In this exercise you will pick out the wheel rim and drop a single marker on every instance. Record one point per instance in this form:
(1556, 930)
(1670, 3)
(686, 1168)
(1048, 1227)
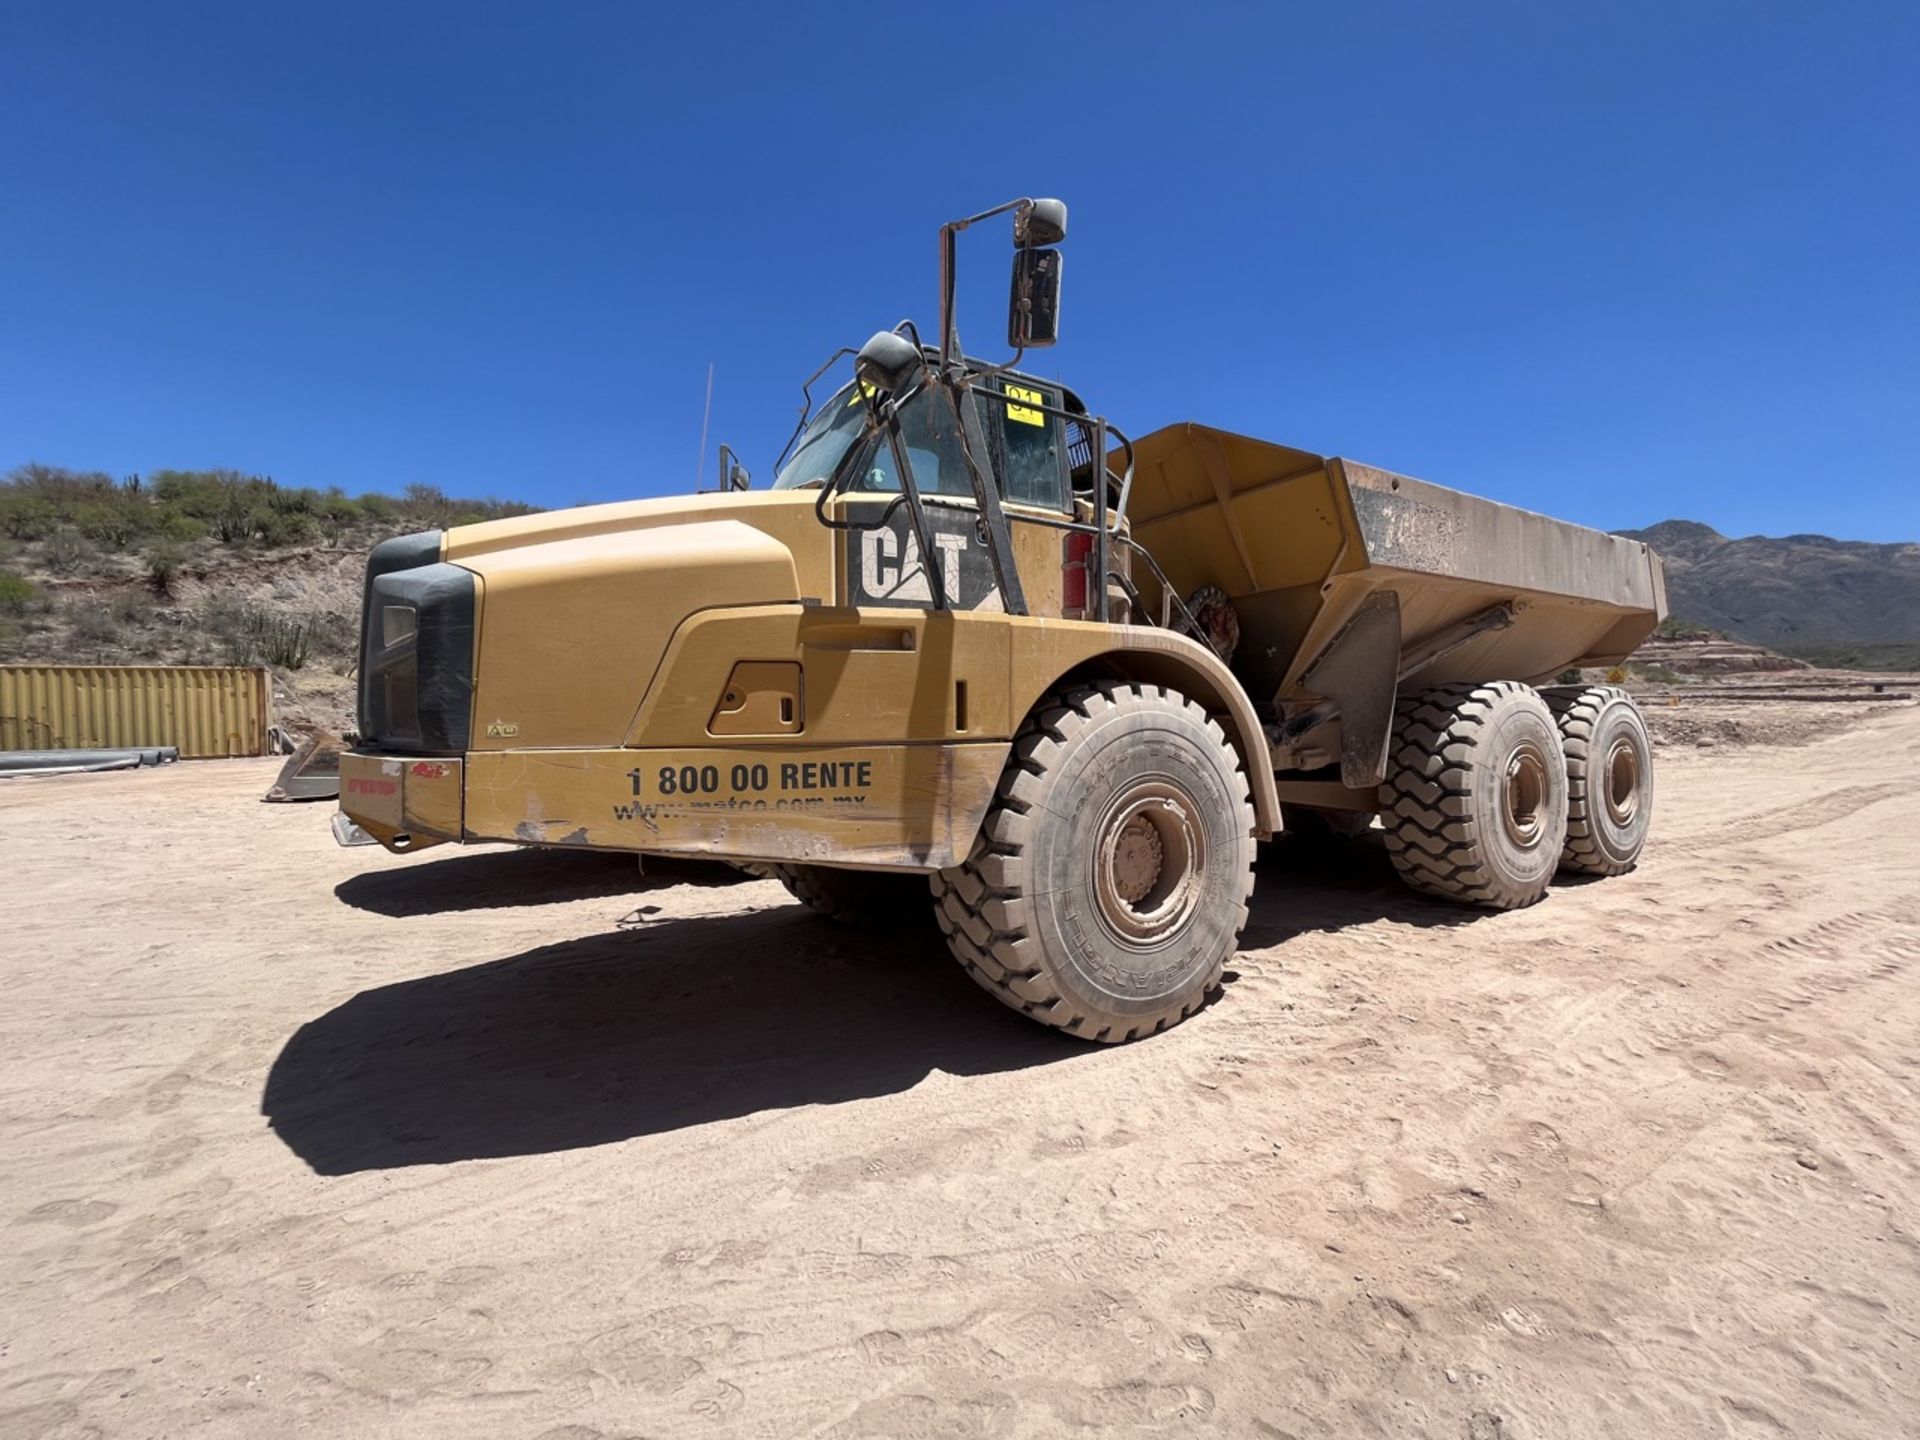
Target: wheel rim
(1524, 796)
(1623, 781)
(1148, 859)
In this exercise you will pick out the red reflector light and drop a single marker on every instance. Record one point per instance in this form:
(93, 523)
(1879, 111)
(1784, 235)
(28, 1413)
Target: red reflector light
(1076, 560)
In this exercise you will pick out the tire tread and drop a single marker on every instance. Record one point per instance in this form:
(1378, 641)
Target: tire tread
(1426, 798)
(982, 905)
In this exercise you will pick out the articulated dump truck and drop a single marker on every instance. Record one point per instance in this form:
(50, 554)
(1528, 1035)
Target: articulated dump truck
(978, 650)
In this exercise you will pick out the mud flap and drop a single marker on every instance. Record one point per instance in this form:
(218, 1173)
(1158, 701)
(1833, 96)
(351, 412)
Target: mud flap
(1359, 672)
(311, 773)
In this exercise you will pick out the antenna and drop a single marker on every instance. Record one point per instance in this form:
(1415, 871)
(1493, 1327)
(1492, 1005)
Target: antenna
(700, 468)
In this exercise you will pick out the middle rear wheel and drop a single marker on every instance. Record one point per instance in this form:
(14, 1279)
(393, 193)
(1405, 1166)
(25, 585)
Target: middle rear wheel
(1475, 798)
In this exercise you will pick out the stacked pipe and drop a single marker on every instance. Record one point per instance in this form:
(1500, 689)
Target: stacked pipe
(78, 762)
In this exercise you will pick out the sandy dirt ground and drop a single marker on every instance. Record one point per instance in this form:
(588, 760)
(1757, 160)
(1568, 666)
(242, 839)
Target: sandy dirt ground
(303, 1141)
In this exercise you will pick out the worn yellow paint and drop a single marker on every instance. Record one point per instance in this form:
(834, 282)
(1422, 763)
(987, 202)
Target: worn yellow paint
(205, 710)
(574, 615)
(391, 796)
(912, 807)
(761, 697)
(1278, 530)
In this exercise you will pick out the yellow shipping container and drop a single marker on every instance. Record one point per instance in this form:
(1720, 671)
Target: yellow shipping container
(205, 710)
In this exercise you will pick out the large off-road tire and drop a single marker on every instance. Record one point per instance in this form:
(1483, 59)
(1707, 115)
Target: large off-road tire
(855, 897)
(1475, 798)
(1109, 882)
(1609, 777)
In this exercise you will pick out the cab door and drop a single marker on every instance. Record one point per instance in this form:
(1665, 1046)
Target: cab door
(1029, 447)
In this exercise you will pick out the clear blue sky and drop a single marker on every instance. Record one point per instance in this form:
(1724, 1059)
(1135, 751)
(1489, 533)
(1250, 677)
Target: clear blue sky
(1617, 262)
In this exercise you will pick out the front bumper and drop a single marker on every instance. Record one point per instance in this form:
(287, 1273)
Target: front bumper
(403, 803)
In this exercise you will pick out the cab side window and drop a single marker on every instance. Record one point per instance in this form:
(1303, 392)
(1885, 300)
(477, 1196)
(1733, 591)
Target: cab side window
(1031, 443)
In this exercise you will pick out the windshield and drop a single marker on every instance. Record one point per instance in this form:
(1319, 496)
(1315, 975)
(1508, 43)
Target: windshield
(927, 429)
(1024, 445)
(825, 440)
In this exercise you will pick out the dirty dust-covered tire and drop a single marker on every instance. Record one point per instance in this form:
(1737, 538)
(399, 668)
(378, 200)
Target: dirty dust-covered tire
(855, 897)
(1109, 883)
(1475, 798)
(1609, 777)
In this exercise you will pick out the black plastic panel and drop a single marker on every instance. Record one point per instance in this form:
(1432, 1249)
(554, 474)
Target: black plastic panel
(416, 694)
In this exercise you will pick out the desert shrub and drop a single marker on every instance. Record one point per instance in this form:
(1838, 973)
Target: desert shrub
(1674, 628)
(91, 622)
(66, 550)
(130, 607)
(44, 502)
(16, 592)
(231, 526)
(286, 644)
(335, 515)
(113, 525)
(164, 561)
(1617, 675)
(276, 528)
(1569, 676)
(26, 517)
(179, 527)
(206, 494)
(252, 635)
(229, 623)
(335, 633)
(294, 502)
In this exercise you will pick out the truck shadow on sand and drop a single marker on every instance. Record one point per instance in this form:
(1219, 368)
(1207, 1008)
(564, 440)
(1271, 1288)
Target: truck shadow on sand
(499, 879)
(682, 1022)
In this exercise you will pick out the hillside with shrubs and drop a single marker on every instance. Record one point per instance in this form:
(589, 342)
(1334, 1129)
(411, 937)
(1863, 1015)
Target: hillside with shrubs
(202, 567)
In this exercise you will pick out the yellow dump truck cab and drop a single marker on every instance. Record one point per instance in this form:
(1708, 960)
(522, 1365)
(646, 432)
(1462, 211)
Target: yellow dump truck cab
(724, 675)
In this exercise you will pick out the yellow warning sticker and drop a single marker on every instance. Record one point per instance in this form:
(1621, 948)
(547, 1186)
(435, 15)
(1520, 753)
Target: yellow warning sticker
(1020, 412)
(861, 391)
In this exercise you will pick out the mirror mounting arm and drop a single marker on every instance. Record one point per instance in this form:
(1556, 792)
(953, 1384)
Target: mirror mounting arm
(1037, 222)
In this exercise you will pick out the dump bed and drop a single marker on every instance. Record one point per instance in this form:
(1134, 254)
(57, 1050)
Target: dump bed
(1304, 544)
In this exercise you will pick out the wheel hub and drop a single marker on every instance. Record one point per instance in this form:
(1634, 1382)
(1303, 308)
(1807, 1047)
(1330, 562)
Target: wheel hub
(1524, 795)
(1138, 859)
(1623, 781)
(1148, 859)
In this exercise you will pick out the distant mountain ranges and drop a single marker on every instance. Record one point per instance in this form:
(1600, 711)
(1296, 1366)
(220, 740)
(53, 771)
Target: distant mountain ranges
(1837, 602)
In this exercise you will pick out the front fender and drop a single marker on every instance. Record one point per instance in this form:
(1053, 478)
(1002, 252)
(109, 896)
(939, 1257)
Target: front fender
(1064, 651)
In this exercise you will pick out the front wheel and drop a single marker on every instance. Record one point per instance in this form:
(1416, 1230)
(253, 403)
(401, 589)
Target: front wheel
(1111, 876)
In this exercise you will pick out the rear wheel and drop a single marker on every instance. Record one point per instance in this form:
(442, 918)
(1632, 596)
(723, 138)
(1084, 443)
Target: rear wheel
(1475, 797)
(1609, 777)
(855, 897)
(1111, 876)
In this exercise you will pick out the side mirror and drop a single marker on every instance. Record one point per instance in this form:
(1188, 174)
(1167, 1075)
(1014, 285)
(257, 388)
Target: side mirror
(1043, 222)
(1033, 309)
(888, 361)
(733, 475)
